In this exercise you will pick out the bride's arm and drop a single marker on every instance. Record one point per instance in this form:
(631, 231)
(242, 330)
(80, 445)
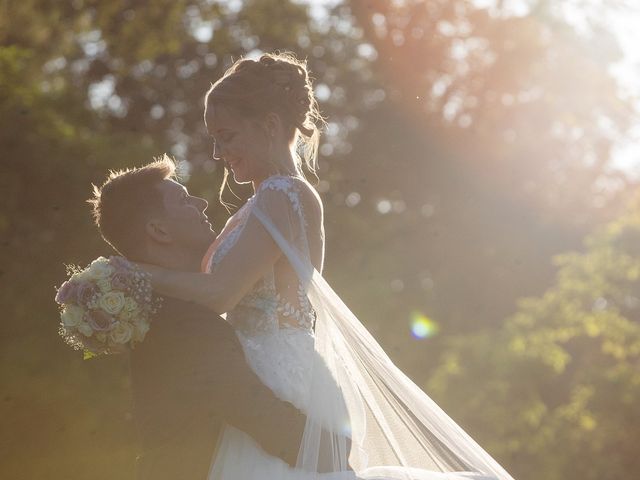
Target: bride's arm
(250, 258)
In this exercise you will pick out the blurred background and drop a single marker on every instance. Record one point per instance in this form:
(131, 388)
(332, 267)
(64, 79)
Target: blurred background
(479, 172)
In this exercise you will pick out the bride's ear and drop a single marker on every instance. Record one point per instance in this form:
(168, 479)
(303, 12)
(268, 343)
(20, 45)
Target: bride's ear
(157, 230)
(273, 124)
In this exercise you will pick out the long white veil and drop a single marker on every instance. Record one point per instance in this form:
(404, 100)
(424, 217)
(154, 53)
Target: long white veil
(396, 431)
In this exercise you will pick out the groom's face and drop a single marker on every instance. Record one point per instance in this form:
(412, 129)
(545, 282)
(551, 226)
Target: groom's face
(184, 221)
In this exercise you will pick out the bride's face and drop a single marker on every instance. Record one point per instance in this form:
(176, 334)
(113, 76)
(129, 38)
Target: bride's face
(240, 142)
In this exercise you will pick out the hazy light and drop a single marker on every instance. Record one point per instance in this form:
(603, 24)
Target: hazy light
(353, 199)
(397, 285)
(92, 43)
(384, 206)
(323, 92)
(427, 210)
(101, 92)
(156, 112)
(422, 326)
(203, 32)
(183, 167)
(346, 428)
(210, 60)
(399, 206)
(366, 50)
(323, 186)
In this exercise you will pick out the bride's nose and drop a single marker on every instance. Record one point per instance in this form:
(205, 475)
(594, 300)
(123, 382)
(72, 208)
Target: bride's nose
(202, 204)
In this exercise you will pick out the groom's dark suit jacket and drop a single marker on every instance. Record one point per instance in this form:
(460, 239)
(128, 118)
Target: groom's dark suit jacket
(189, 377)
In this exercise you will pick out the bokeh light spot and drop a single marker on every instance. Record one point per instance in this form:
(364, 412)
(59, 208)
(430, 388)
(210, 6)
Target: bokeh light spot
(422, 326)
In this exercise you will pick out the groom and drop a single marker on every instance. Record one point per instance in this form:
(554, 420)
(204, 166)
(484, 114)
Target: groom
(189, 375)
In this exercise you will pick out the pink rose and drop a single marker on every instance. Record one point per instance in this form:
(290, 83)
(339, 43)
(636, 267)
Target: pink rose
(100, 321)
(85, 291)
(120, 281)
(67, 293)
(121, 264)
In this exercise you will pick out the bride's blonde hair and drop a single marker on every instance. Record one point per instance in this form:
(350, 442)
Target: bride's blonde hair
(275, 82)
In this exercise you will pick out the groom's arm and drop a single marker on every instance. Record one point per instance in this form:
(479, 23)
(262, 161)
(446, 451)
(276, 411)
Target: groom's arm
(249, 405)
(215, 368)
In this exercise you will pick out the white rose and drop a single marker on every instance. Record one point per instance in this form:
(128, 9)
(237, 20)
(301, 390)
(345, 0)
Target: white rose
(130, 311)
(112, 302)
(85, 329)
(99, 261)
(100, 268)
(72, 316)
(121, 333)
(140, 329)
(129, 315)
(130, 305)
(82, 276)
(104, 284)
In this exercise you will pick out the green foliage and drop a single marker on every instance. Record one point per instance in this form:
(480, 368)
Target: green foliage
(87, 355)
(555, 391)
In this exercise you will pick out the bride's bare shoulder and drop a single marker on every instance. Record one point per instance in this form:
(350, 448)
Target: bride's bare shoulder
(310, 197)
(299, 191)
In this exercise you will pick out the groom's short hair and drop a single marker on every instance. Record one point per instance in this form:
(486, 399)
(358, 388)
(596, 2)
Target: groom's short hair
(126, 200)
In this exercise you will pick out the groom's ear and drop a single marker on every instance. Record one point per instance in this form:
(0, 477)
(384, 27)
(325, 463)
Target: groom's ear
(158, 231)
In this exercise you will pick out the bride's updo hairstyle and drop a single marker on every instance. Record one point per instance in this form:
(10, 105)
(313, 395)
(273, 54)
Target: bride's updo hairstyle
(278, 83)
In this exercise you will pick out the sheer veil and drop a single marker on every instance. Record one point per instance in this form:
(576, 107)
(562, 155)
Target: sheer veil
(364, 413)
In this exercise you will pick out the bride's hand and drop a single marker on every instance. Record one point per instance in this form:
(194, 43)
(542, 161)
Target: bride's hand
(191, 286)
(154, 272)
(173, 283)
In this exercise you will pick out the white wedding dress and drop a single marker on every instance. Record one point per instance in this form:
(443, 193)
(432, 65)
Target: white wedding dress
(305, 345)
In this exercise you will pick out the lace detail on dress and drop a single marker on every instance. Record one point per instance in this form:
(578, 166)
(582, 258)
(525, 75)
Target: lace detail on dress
(264, 309)
(287, 185)
(257, 312)
(241, 216)
(298, 317)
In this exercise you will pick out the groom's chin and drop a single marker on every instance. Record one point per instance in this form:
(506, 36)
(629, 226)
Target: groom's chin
(208, 239)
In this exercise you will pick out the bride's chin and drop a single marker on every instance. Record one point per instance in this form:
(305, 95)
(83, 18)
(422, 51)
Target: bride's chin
(240, 179)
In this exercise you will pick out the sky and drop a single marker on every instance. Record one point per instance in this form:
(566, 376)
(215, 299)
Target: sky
(627, 71)
(620, 16)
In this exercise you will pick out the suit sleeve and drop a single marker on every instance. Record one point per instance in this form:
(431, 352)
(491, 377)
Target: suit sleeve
(215, 369)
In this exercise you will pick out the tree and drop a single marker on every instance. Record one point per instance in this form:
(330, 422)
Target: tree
(484, 150)
(555, 391)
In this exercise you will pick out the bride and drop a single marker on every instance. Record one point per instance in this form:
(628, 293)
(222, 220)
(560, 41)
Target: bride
(366, 419)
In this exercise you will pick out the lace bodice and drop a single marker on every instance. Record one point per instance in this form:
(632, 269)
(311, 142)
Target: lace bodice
(278, 300)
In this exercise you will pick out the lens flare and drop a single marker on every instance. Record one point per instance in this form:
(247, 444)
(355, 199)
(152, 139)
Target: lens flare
(346, 429)
(422, 326)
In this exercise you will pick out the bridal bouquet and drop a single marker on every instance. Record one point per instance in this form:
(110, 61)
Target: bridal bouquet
(106, 307)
